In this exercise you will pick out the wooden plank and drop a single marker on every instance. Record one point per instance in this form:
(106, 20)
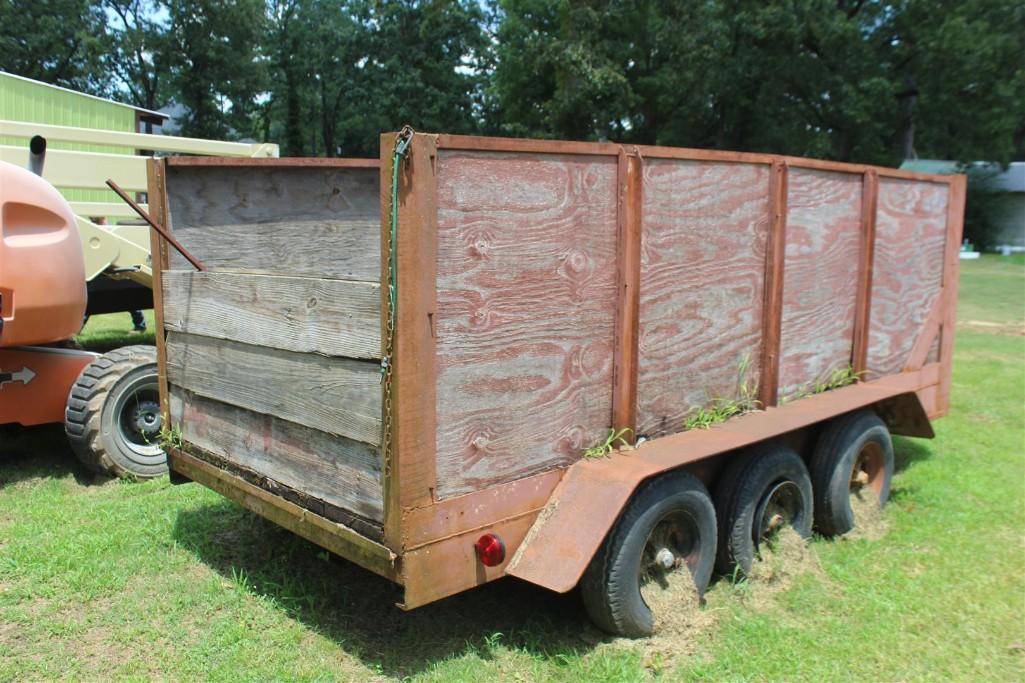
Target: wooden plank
(526, 313)
(335, 395)
(821, 288)
(702, 258)
(305, 315)
(157, 197)
(954, 225)
(911, 235)
(414, 387)
(303, 221)
(772, 306)
(628, 287)
(333, 469)
(329, 535)
(866, 256)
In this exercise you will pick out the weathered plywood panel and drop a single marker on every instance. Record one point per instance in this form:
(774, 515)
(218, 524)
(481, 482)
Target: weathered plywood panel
(911, 224)
(306, 315)
(702, 270)
(526, 306)
(820, 276)
(301, 221)
(332, 469)
(335, 395)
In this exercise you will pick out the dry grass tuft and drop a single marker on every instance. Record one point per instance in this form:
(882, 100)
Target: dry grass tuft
(869, 521)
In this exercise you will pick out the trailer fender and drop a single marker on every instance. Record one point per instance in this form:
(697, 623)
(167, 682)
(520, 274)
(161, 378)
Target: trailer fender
(593, 492)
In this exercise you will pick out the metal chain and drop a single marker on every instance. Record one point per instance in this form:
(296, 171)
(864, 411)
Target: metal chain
(402, 141)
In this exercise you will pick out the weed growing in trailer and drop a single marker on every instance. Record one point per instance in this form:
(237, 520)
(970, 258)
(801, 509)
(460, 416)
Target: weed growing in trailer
(171, 437)
(722, 409)
(840, 377)
(615, 439)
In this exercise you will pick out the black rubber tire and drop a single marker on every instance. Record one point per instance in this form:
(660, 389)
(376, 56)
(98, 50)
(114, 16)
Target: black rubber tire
(741, 489)
(832, 465)
(610, 587)
(95, 432)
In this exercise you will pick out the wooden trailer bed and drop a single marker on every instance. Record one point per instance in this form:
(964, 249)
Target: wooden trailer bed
(547, 292)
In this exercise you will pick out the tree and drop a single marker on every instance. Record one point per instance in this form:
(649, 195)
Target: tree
(137, 50)
(54, 41)
(959, 70)
(854, 80)
(219, 72)
(346, 71)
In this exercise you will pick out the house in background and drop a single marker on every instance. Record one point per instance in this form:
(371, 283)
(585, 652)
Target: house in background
(1007, 188)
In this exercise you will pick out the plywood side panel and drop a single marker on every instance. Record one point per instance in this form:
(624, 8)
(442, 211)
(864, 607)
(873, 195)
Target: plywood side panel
(302, 221)
(305, 315)
(702, 269)
(526, 310)
(911, 226)
(332, 469)
(820, 280)
(335, 395)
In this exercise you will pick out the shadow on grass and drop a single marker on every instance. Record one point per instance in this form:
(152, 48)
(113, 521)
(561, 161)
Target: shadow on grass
(38, 453)
(356, 608)
(907, 452)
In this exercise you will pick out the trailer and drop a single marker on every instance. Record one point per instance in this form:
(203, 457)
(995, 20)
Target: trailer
(578, 364)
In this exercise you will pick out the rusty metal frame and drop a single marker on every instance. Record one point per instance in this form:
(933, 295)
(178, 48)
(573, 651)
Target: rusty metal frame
(591, 495)
(630, 172)
(866, 261)
(772, 307)
(160, 261)
(275, 162)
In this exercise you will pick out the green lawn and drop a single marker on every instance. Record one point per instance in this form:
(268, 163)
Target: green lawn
(105, 578)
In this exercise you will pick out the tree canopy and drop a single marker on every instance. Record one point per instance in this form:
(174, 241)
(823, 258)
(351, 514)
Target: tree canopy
(853, 80)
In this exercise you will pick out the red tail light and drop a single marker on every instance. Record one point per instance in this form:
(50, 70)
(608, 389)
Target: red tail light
(490, 550)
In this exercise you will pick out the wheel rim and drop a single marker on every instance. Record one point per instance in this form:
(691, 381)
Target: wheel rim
(671, 549)
(868, 470)
(779, 508)
(137, 415)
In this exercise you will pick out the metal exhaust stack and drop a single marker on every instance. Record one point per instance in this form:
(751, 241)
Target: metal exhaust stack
(37, 154)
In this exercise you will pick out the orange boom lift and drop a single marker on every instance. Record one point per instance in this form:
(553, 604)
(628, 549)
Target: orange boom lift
(108, 403)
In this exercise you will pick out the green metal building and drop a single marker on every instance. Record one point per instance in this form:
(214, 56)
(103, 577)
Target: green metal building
(23, 99)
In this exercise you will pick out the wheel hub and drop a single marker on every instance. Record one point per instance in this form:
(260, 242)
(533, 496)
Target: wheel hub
(778, 508)
(867, 469)
(145, 418)
(665, 559)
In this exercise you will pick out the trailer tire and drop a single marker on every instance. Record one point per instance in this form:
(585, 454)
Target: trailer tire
(765, 489)
(853, 452)
(674, 506)
(112, 418)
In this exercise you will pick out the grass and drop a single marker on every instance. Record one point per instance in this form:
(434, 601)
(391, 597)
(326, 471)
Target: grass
(102, 579)
(616, 438)
(105, 332)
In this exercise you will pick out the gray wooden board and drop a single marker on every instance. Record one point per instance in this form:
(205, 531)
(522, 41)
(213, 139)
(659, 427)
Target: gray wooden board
(306, 315)
(336, 395)
(317, 222)
(334, 469)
